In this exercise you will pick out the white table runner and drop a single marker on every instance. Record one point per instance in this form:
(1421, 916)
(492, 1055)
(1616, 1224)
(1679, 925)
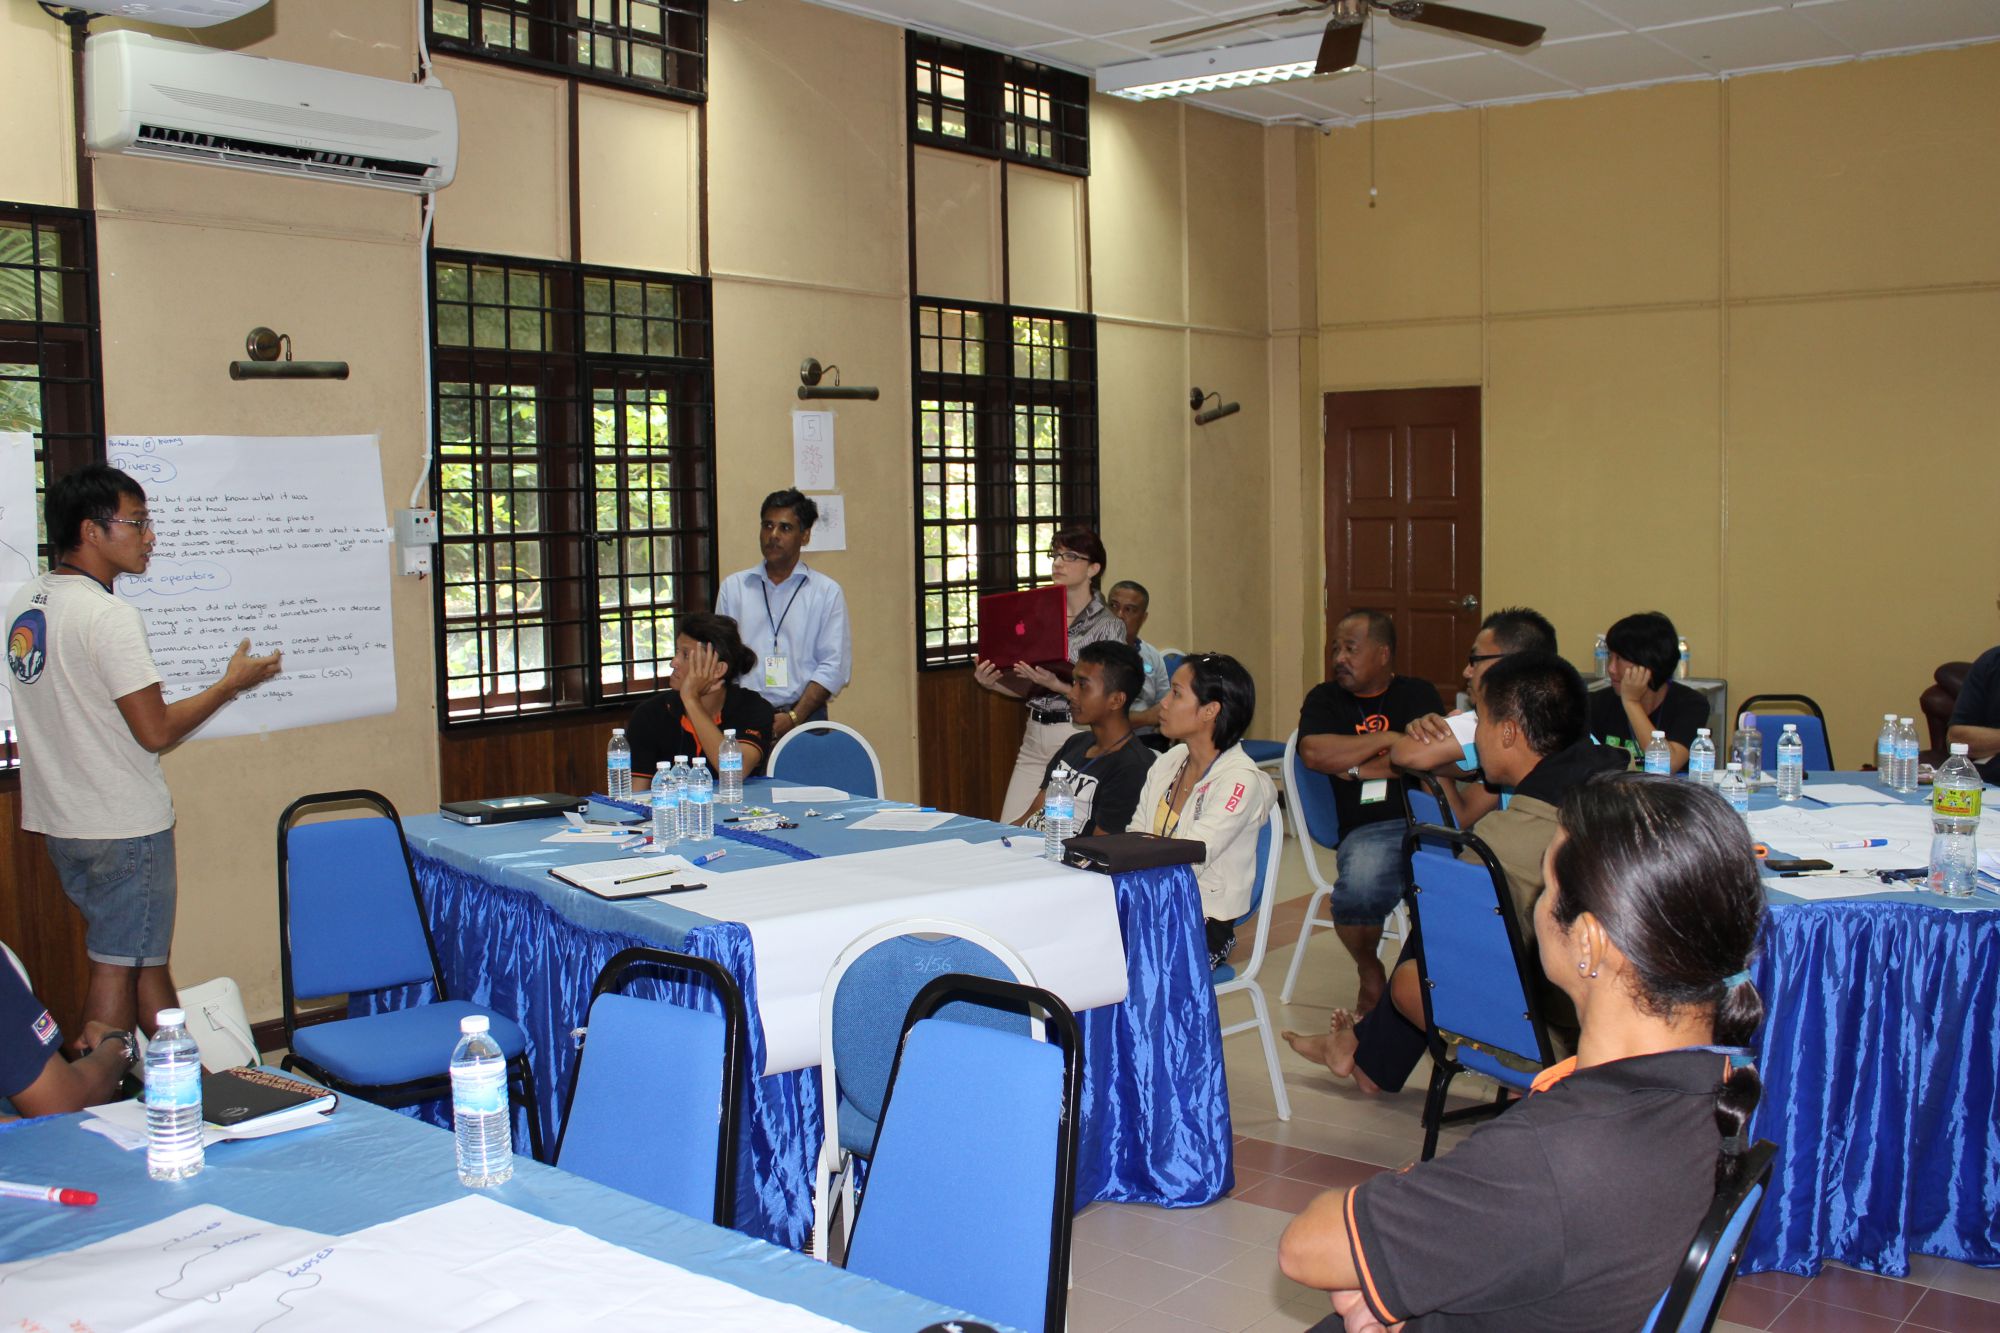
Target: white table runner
(1063, 923)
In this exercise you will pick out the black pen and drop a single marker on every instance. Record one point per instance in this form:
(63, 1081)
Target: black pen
(678, 888)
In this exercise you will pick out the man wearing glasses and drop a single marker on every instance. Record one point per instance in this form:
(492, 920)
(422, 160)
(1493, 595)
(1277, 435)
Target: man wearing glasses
(1433, 744)
(92, 722)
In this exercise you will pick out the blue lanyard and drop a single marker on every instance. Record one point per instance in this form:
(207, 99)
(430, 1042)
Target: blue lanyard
(764, 586)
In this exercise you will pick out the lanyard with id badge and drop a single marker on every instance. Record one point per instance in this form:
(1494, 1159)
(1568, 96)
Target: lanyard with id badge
(777, 669)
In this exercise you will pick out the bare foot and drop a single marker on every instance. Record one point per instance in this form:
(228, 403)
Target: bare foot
(1317, 1047)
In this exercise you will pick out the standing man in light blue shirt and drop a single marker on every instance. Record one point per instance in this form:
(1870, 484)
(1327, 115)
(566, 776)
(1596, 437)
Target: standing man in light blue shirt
(792, 617)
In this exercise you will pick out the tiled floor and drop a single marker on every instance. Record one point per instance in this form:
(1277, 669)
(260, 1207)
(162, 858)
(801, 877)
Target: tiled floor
(1138, 1268)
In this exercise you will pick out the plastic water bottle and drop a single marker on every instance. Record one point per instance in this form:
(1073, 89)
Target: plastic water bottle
(1906, 754)
(729, 770)
(665, 807)
(1748, 750)
(1885, 751)
(682, 775)
(1659, 759)
(618, 767)
(1701, 758)
(480, 1117)
(1058, 816)
(173, 1100)
(1955, 799)
(1603, 655)
(1681, 671)
(1734, 790)
(1791, 763)
(698, 798)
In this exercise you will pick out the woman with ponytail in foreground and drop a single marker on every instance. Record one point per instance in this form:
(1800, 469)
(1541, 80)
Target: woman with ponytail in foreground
(1572, 1211)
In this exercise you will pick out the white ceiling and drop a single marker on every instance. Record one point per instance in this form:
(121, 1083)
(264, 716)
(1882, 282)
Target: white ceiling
(1592, 45)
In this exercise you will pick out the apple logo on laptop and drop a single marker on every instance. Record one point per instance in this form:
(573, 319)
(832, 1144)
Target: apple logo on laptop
(1020, 629)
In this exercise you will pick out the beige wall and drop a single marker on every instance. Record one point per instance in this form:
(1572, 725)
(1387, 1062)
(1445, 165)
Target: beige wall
(1727, 333)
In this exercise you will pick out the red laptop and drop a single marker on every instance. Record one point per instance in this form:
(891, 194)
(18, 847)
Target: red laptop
(1030, 626)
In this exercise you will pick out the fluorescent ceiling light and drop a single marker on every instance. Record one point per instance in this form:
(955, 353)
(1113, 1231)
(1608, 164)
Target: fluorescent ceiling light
(1208, 71)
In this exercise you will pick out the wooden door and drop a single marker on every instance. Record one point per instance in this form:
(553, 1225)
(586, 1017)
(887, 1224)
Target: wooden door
(1402, 521)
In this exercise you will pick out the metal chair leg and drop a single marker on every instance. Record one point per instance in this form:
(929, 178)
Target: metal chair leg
(1306, 928)
(1278, 1093)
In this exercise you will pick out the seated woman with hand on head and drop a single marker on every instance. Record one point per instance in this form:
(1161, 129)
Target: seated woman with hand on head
(1573, 1210)
(702, 699)
(1208, 789)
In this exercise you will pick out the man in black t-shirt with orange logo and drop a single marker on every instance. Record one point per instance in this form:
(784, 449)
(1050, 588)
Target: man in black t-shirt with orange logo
(1346, 727)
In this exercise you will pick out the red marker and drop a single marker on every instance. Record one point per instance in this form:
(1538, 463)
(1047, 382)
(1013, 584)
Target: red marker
(47, 1194)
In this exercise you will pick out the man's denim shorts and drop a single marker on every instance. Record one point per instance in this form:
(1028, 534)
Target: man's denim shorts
(125, 889)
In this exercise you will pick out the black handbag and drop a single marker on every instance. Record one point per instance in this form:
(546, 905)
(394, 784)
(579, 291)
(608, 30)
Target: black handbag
(1116, 853)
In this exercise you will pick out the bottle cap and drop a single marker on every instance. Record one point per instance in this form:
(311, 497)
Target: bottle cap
(170, 1018)
(730, 732)
(1791, 726)
(660, 767)
(618, 731)
(1888, 717)
(1909, 719)
(1960, 747)
(1659, 735)
(1703, 731)
(472, 1023)
(1735, 767)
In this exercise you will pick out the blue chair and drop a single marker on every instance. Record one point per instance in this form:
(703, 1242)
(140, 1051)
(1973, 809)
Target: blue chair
(827, 754)
(1172, 659)
(1316, 823)
(1270, 844)
(973, 1184)
(861, 1009)
(350, 921)
(669, 1072)
(1811, 724)
(1695, 1296)
(1424, 802)
(1480, 1010)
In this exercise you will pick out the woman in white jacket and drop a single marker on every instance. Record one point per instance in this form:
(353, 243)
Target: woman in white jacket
(1207, 789)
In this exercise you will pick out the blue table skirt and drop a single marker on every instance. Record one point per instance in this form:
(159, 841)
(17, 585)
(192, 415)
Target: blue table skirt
(1879, 1056)
(1156, 1125)
(365, 1166)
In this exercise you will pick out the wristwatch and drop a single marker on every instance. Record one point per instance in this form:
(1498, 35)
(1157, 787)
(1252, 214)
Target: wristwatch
(1355, 772)
(131, 1046)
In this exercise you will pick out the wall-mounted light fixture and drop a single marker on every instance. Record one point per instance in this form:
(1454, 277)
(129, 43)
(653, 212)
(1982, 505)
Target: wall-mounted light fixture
(1196, 398)
(810, 374)
(263, 347)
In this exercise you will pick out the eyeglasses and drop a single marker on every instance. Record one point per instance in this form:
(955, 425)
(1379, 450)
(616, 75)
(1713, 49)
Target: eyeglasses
(1071, 556)
(143, 524)
(1474, 659)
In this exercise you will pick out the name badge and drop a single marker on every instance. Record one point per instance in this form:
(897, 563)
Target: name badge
(1374, 791)
(777, 672)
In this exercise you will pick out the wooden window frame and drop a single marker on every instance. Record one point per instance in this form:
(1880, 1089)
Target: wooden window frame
(991, 122)
(558, 39)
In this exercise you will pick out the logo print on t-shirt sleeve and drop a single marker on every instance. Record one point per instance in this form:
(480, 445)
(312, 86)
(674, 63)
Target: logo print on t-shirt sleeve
(27, 646)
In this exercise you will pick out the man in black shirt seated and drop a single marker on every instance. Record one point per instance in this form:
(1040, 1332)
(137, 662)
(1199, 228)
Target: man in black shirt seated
(33, 1074)
(1975, 721)
(1346, 727)
(1643, 696)
(1107, 764)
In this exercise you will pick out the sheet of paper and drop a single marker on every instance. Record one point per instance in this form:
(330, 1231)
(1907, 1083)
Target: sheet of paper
(1848, 793)
(1803, 832)
(830, 533)
(807, 795)
(124, 1123)
(1989, 862)
(904, 821)
(280, 540)
(1462, 726)
(601, 837)
(169, 1268)
(17, 529)
(1827, 887)
(812, 453)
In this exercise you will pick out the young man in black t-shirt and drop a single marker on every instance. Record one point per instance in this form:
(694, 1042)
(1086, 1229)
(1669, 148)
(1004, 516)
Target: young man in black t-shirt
(1346, 727)
(1106, 765)
(1643, 696)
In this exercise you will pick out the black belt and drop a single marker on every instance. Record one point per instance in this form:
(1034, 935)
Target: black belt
(1059, 713)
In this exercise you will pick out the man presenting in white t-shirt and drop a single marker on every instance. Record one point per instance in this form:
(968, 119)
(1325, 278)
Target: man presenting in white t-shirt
(92, 723)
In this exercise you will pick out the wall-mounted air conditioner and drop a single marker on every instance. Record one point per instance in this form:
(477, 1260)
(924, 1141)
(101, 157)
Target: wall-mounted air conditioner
(153, 98)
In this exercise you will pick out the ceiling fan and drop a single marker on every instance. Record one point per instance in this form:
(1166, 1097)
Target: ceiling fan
(1341, 46)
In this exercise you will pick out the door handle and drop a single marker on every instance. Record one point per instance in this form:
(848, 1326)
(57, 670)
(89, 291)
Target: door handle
(1471, 602)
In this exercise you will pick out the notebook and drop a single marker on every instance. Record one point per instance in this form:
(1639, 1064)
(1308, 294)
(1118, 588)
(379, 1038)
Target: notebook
(628, 876)
(240, 1098)
(1030, 626)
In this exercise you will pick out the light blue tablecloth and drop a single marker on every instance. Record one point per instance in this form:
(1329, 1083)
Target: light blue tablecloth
(1879, 1053)
(366, 1166)
(1156, 1125)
